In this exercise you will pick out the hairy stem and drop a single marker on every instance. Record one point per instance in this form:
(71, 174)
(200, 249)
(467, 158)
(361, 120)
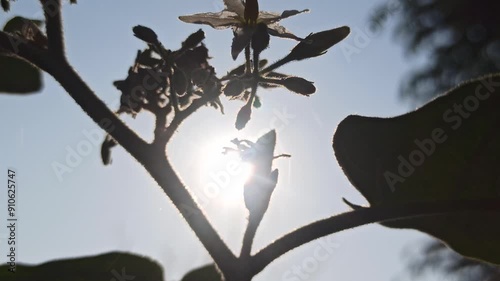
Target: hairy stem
(54, 63)
(55, 33)
(161, 170)
(361, 217)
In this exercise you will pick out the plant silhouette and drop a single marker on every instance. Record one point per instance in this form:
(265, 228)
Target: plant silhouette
(172, 84)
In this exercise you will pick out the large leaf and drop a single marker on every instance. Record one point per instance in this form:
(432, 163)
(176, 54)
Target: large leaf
(106, 267)
(205, 273)
(448, 149)
(21, 24)
(18, 76)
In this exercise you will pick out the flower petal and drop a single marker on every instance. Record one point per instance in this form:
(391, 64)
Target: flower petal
(235, 6)
(241, 39)
(270, 17)
(221, 20)
(275, 29)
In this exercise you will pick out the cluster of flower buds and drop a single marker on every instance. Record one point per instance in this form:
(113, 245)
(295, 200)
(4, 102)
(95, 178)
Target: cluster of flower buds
(166, 82)
(162, 79)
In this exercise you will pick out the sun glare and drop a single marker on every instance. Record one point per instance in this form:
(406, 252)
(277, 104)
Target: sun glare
(222, 176)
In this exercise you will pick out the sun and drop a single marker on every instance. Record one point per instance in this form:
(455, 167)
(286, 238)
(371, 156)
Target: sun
(222, 176)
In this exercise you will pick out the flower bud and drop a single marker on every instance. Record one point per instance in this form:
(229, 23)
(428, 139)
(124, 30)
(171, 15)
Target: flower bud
(234, 88)
(146, 34)
(251, 11)
(243, 116)
(299, 85)
(193, 40)
(179, 82)
(317, 44)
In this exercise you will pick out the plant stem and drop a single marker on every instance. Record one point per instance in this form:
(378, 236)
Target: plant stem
(55, 33)
(361, 217)
(55, 64)
(248, 64)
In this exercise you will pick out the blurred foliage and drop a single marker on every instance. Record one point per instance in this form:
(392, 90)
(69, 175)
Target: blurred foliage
(460, 38)
(436, 258)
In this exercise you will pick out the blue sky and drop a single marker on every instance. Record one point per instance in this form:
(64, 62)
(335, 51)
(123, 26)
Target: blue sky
(95, 209)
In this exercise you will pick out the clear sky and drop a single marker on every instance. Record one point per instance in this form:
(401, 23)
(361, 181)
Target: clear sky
(95, 209)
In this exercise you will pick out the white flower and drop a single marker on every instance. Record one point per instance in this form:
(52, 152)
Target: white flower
(233, 16)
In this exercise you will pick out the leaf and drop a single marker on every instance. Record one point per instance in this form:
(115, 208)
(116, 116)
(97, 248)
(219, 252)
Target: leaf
(27, 29)
(5, 5)
(105, 267)
(205, 273)
(234, 88)
(18, 76)
(17, 24)
(241, 39)
(448, 149)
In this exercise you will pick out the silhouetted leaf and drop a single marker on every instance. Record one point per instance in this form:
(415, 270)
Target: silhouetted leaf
(205, 273)
(448, 149)
(28, 29)
(241, 39)
(234, 88)
(5, 5)
(105, 267)
(18, 24)
(18, 76)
